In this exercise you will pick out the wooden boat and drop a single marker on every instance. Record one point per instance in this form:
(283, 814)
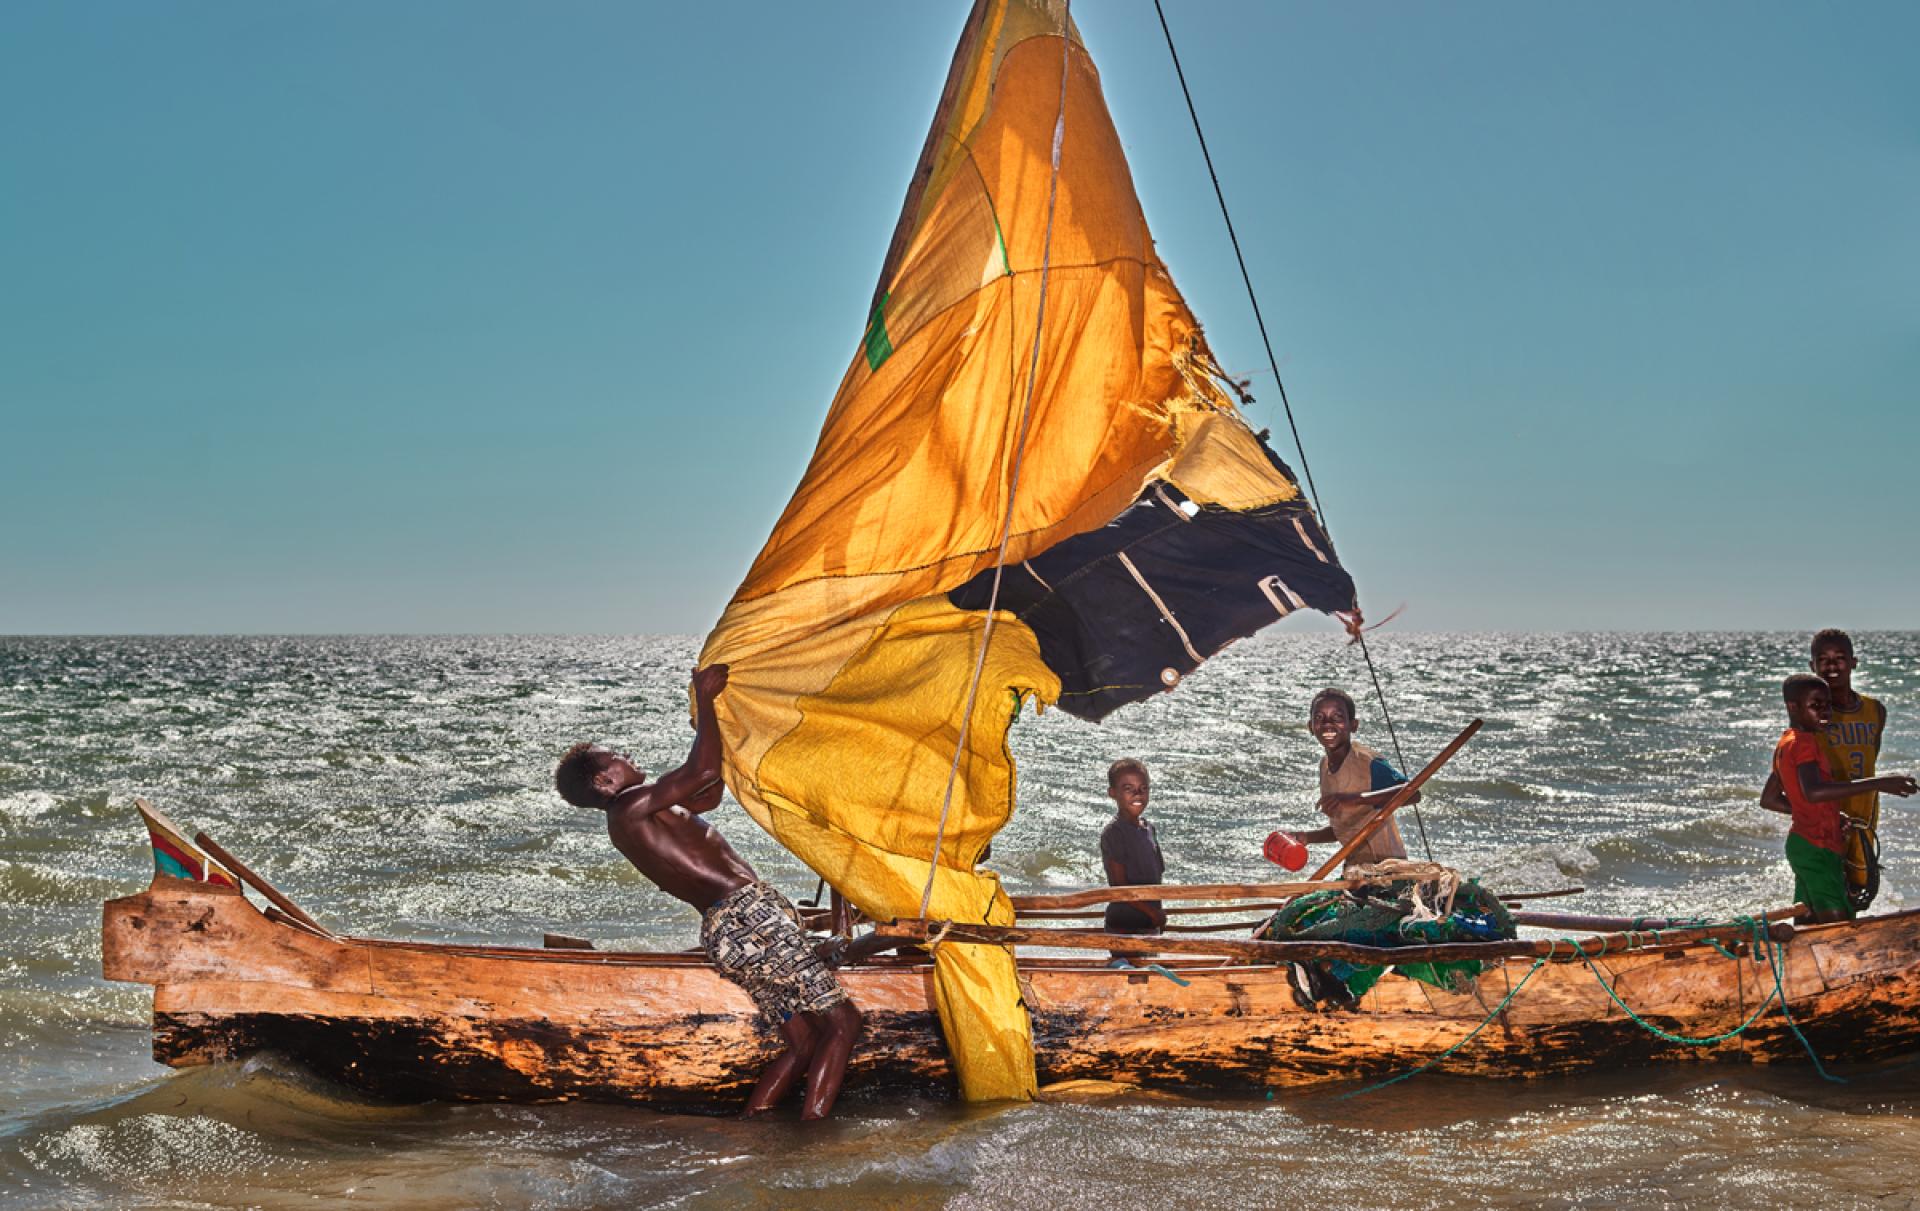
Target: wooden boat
(416, 1020)
(1151, 527)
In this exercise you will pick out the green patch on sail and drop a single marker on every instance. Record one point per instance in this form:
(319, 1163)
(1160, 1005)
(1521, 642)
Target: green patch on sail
(878, 347)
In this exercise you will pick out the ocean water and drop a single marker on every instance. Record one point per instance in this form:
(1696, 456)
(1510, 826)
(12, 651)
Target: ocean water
(399, 786)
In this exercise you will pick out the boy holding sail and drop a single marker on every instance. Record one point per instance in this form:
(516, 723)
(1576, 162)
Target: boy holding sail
(750, 931)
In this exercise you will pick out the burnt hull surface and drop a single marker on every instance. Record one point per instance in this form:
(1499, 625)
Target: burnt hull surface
(417, 1021)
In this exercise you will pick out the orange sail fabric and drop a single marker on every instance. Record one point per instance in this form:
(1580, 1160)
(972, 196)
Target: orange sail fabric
(850, 664)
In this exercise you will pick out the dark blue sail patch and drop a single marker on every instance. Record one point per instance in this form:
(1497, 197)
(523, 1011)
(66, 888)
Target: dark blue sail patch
(1128, 610)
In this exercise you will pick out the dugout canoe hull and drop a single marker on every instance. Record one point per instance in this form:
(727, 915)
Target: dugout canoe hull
(421, 1020)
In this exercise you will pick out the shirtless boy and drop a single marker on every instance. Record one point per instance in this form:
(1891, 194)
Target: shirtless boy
(751, 933)
(1802, 786)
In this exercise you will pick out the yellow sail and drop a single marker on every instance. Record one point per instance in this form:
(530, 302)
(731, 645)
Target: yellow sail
(854, 636)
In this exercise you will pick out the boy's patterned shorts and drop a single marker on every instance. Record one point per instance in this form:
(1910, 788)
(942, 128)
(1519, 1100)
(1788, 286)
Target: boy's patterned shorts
(753, 937)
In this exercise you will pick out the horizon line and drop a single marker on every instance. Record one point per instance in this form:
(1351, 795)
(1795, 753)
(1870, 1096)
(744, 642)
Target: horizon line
(1330, 633)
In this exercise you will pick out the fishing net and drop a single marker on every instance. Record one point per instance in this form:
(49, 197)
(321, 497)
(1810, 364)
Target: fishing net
(1398, 903)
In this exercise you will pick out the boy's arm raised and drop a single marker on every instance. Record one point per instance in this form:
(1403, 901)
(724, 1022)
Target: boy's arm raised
(1902, 785)
(696, 784)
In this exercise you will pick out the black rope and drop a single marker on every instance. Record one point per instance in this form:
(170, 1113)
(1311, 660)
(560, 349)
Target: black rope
(1246, 277)
(1381, 697)
(1273, 363)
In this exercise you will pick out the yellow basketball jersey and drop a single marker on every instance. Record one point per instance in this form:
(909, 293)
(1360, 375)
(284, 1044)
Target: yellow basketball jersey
(1852, 743)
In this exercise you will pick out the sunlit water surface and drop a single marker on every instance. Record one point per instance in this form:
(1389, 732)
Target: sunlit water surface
(399, 786)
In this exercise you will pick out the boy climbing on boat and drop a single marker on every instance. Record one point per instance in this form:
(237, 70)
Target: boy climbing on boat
(1802, 785)
(1131, 853)
(1355, 783)
(1852, 741)
(750, 931)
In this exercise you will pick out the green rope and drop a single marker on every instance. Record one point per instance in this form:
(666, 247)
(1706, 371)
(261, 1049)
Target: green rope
(1394, 1080)
(1650, 1028)
(1779, 965)
(1760, 942)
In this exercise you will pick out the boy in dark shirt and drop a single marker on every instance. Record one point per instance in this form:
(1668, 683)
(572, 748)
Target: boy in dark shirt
(1802, 786)
(1130, 852)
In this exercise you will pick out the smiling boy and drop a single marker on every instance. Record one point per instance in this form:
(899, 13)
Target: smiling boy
(1802, 786)
(1852, 741)
(1355, 783)
(1130, 851)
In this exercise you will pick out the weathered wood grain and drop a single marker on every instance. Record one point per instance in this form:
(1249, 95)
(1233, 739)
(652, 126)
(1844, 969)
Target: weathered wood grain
(418, 1020)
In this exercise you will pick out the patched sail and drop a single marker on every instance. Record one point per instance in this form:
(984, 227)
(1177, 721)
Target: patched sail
(1150, 526)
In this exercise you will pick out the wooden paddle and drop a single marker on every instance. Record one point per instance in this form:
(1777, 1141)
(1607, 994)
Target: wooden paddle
(273, 894)
(1400, 797)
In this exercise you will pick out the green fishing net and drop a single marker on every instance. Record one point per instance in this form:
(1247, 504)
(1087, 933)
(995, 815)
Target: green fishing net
(1388, 914)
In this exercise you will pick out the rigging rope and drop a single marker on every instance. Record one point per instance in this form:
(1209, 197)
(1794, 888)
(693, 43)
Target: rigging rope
(1273, 363)
(1019, 453)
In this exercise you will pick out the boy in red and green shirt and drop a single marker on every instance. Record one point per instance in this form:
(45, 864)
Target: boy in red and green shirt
(1802, 786)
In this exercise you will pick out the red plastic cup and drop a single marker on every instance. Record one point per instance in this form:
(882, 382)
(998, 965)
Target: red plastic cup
(1282, 850)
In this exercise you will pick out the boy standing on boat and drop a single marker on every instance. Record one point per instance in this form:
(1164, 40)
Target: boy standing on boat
(1355, 783)
(751, 932)
(1802, 785)
(1130, 852)
(1852, 741)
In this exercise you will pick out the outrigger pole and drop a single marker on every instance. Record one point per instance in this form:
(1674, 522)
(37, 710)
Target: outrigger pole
(1565, 949)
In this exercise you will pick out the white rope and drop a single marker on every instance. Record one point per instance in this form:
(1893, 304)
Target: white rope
(1019, 454)
(1433, 885)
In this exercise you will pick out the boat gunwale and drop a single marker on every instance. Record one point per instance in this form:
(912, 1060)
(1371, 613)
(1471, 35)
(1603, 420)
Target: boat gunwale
(884, 964)
(696, 958)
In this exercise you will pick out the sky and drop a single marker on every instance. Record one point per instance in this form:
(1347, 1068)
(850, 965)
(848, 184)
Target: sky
(487, 317)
